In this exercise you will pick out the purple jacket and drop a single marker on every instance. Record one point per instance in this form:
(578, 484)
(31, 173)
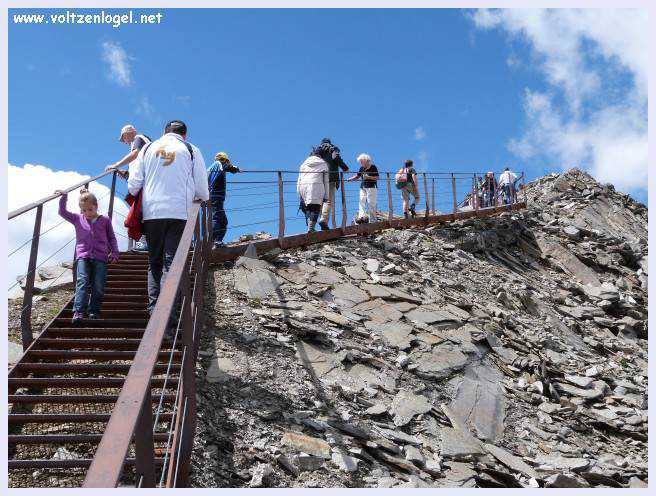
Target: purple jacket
(92, 240)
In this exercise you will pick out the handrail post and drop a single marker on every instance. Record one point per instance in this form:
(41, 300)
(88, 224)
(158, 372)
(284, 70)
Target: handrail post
(189, 384)
(344, 213)
(433, 196)
(144, 444)
(26, 312)
(390, 207)
(475, 192)
(333, 206)
(110, 210)
(281, 208)
(427, 200)
(524, 187)
(453, 187)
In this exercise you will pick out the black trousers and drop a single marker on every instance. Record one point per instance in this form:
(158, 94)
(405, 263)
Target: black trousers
(163, 237)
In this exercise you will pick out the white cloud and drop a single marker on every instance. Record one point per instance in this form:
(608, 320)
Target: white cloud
(118, 62)
(593, 113)
(420, 133)
(422, 158)
(147, 110)
(32, 182)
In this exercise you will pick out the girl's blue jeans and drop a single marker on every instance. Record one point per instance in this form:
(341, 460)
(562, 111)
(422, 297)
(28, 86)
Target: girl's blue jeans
(90, 286)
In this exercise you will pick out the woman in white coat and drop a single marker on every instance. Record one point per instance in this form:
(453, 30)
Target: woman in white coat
(312, 187)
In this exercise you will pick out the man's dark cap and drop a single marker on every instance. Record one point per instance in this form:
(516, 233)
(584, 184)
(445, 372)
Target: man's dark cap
(177, 127)
(408, 163)
(327, 140)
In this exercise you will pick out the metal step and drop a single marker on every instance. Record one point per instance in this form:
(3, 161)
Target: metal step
(94, 355)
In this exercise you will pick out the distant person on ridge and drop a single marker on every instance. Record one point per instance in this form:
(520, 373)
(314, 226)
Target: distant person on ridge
(368, 188)
(216, 178)
(507, 184)
(136, 141)
(171, 173)
(489, 187)
(95, 244)
(406, 181)
(312, 186)
(330, 154)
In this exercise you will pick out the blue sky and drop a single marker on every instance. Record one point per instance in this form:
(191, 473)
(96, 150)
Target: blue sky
(452, 89)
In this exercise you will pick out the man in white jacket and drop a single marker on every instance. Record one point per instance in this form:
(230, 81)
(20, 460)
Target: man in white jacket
(507, 183)
(312, 186)
(171, 174)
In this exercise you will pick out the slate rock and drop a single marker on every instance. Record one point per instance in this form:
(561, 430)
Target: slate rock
(407, 405)
(306, 444)
(459, 444)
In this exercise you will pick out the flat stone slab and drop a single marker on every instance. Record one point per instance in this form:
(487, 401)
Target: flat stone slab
(222, 369)
(439, 363)
(345, 295)
(306, 444)
(459, 444)
(407, 405)
(325, 275)
(320, 361)
(356, 272)
(480, 402)
(15, 352)
(395, 334)
(378, 311)
(297, 273)
(511, 461)
(254, 279)
(430, 317)
(559, 462)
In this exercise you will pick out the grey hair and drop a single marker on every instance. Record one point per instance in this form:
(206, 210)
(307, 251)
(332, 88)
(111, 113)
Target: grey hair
(364, 158)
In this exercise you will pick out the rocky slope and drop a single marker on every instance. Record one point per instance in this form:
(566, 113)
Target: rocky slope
(497, 352)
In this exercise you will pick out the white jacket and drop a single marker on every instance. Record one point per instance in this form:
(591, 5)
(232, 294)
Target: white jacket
(507, 177)
(311, 185)
(169, 179)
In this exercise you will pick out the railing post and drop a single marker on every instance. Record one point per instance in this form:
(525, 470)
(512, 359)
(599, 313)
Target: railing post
(189, 383)
(453, 187)
(344, 213)
(26, 312)
(427, 199)
(110, 210)
(475, 192)
(144, 444)
(390, 207)
(524, 187)
(433, 196)
(281, 207)
(333, 206)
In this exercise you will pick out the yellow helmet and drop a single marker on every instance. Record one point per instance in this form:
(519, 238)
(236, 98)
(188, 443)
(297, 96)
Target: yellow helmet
(222, 157)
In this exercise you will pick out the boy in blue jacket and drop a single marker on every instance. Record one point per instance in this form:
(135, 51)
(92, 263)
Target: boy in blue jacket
(216, 177)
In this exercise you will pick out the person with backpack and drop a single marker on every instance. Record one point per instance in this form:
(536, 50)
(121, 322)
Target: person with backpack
(216, 177)
(312, 186)
(507, 184)
(330, 154)
(136, 142)
(368, 173)
(406, 181)
(489, 187)
(170, 173)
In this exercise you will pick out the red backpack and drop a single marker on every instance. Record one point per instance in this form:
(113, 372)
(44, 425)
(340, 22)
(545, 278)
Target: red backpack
(134, 220)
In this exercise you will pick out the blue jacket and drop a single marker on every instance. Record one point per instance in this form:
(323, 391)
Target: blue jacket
(216, 179)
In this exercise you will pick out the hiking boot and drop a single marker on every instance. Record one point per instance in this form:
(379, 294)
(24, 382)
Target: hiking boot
(324, 226)
(217, 244)
(412, 211)
(93, 315)
(77, 317)
(405, 215)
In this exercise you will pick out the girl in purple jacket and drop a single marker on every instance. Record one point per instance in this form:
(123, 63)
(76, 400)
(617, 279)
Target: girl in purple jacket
(95, 245)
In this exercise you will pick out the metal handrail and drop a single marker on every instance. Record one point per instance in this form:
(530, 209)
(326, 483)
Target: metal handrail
(131, 406)
(40, 202)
